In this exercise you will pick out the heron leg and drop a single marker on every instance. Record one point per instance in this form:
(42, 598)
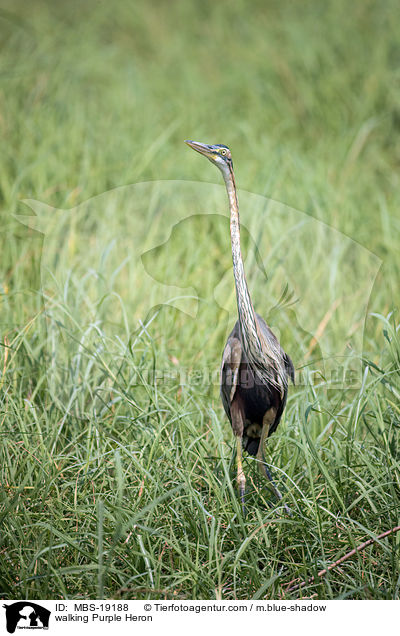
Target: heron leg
(241, 479)
(268, 419)
(237, 427)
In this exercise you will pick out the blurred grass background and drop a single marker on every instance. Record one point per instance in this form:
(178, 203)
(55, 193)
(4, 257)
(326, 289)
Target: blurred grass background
(136, 498)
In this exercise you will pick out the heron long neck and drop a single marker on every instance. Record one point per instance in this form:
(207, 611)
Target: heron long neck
(247, 318)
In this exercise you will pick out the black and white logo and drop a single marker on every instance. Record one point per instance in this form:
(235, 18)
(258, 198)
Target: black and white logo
(26, 615)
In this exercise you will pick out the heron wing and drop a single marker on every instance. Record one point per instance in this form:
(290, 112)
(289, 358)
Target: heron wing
(289, 367)
(231, 359)
(269, 334)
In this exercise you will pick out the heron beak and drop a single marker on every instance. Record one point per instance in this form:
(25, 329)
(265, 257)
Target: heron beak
(203, 149)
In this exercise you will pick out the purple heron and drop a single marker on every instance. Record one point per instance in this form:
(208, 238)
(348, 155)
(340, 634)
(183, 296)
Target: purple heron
(255, 370)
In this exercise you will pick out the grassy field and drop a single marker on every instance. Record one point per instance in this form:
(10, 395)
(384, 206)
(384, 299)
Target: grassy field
(117, 465)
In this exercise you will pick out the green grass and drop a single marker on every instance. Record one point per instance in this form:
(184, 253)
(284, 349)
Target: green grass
(117, 467)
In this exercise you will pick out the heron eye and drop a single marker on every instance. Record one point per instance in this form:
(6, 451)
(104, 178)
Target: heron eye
(223, 151)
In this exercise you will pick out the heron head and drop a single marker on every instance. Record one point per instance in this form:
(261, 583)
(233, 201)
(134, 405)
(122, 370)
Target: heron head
(218, 154)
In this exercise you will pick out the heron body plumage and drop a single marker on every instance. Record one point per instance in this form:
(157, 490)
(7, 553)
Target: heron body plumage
(255, 397)
(255, 371)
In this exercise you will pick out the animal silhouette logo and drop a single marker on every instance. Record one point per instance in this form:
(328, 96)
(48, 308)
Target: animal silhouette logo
(162, 250)
(26, 615)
